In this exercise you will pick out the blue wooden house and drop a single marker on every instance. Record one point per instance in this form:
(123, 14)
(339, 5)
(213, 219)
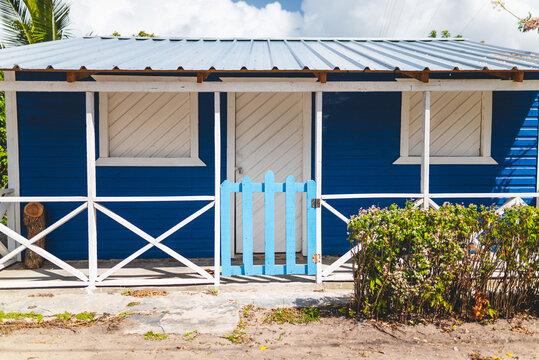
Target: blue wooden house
(222, 148)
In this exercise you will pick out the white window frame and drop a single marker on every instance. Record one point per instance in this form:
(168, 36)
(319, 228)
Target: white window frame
(486, 137)
(104, 155)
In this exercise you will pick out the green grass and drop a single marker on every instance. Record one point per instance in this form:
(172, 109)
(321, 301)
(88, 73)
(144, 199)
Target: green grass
(293, 316)
(191, 335)
(65, 316)
(150, 335)
(85, 316)
(17, 316)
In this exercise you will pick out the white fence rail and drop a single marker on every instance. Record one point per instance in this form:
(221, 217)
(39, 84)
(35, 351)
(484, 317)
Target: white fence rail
(328, 274)
(9, 257)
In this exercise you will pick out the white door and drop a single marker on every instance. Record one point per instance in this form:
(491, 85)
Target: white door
(272, 131)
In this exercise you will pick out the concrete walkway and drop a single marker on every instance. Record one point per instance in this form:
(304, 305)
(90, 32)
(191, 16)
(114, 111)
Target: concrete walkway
(184, 309)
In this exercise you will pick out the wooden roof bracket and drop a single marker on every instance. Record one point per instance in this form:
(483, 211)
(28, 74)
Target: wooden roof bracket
(202, 75)
(422, 76)
(322, 76)
(516, 75)
(74, 76)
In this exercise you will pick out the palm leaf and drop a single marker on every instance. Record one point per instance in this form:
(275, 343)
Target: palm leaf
(51, 19)
(16, 23)
(32, 21)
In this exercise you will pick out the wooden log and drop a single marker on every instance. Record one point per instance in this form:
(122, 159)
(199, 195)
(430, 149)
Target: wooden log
(34, 220)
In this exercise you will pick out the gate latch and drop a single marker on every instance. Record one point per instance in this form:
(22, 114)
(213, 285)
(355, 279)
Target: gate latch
(315, 203)
(317, 258)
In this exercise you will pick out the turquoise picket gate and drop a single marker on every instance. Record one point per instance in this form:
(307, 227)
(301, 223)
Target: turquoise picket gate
(269, 188)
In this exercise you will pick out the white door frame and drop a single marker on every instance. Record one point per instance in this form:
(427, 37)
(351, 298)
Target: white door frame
(231, 157)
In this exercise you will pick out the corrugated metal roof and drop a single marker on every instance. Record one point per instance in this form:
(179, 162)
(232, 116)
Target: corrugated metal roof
(135, 54)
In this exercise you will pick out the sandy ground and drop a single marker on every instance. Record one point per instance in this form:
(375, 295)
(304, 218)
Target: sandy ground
(330, 338)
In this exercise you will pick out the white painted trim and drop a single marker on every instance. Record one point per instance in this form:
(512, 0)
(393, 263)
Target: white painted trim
(486, 123)
(266, 79)
(114, 161)
(425, 154)
(307, 151)
(431, 195)
(19, 199)
(136, 78)
(105, 160)
(103, 126)
(91, 188)
(193, 98)
(486, 137)
(217, 202)
(12, 138)
(231, 163)
(405, 124)
(153, 198)
(268, 86)
(318, 180)
(447, 160)
(153, 282)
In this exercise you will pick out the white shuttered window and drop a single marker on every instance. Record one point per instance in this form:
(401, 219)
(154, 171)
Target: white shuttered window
(461, 123)
(148, 129)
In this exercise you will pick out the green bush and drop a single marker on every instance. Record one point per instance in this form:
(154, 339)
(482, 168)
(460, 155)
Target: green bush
(454, 261)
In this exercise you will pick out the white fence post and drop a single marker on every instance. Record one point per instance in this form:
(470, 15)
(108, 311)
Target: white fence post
(12, 138)
(217, 202)
(318, 180)
(425, 155)
(91, 183)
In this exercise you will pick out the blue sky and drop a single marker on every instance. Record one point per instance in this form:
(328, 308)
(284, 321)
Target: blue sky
(474, 19)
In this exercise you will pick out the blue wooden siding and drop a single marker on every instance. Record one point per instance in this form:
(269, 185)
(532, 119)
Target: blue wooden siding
(53, 162)
(361, 141)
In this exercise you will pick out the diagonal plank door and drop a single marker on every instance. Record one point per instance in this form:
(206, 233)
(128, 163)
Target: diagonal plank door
(270, 135)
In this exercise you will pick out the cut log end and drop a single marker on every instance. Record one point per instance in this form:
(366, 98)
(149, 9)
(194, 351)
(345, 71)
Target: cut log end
(34, 219)
(34, 209)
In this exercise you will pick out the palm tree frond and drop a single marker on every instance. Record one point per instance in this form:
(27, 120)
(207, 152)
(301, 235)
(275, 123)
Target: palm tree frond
(60, 10)
(16, 23)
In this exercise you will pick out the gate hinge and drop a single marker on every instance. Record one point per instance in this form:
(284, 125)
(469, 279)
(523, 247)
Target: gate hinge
(317, 258)
(315, 203)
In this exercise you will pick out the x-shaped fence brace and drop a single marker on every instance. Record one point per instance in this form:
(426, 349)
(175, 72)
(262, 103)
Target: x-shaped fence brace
(29, 243)
(154, 242)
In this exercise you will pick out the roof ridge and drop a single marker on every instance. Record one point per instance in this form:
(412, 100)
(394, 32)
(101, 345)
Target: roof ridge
(339, 38)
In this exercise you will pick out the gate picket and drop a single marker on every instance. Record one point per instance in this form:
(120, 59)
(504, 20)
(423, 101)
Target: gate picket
(269, 188)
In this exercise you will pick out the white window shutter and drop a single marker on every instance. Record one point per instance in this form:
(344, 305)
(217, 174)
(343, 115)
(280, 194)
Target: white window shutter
(149, 125)
(455, 124)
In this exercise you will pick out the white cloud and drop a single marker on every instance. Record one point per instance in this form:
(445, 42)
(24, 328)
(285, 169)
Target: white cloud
(193, 18)
(475, 19)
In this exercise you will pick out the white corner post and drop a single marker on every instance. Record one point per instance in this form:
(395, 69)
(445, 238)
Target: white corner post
(91, 183)
(318, 180)
(425, 154)
(217, 205)
(12, 134)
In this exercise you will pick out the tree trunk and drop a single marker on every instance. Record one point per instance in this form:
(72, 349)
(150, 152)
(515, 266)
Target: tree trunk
(34, 220)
